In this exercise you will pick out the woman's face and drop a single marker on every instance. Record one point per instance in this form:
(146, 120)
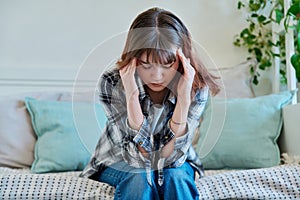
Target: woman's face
(156, 76)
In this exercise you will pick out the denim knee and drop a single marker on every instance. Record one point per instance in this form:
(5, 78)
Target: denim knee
(179, 183)
(136, 186)
(186, 170)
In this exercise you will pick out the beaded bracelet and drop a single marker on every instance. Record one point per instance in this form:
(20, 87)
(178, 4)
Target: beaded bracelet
(177, 123)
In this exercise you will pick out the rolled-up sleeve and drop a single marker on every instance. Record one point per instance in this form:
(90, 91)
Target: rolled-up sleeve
(112, 96)
(141, 137)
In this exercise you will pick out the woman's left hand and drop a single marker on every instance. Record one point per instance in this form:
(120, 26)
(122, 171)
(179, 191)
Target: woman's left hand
(186, 80)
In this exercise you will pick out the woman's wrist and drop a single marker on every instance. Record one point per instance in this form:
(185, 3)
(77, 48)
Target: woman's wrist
(178, 123)
(177, 127)
(178, 120)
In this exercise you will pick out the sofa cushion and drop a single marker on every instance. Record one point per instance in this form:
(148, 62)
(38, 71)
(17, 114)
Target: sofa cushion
(67, 133)
(17, 138)
(242, 132)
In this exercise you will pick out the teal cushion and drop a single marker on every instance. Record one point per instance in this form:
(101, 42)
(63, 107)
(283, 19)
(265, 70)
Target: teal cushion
(242, 133)
(66, 132)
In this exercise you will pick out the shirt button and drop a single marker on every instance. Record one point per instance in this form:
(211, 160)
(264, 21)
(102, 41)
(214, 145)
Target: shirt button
(166, 137)
(140, 142)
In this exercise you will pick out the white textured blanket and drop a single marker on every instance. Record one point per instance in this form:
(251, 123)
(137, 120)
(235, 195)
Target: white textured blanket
(282, 182)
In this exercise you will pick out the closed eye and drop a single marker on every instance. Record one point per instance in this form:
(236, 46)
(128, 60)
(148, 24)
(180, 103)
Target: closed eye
(169, 65)
(147, 65)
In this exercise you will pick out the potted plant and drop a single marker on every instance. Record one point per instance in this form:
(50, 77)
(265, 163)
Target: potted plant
(257, 37)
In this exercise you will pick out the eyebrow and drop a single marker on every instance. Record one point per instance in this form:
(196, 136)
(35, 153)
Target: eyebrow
(147, 62)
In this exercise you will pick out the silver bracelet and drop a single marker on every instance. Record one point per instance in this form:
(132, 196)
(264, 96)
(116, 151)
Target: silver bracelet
(177, 123)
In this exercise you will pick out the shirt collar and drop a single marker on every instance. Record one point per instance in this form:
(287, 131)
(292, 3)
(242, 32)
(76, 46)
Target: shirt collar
(142, 92)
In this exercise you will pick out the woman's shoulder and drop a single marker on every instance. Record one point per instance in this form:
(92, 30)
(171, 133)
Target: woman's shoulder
(201, 94)
(111, 76)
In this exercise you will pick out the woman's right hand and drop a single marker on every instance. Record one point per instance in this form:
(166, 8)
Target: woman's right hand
(128, 79)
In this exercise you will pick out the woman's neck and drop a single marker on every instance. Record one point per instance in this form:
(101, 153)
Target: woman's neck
(157, 97)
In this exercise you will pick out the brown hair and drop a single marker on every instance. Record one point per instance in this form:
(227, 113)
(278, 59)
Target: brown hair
(156, 32)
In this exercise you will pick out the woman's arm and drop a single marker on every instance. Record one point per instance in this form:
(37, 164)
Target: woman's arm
(177, 123)
(180, 144)
(113, 99)
(135, 115)
(179, 118)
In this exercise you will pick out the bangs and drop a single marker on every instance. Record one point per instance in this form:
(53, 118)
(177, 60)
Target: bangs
(156, 44)
(159, 56)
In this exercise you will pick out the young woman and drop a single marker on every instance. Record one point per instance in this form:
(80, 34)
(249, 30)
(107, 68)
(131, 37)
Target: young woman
(153, 99)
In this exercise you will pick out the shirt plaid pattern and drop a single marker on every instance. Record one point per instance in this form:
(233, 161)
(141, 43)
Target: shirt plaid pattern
(119, 142)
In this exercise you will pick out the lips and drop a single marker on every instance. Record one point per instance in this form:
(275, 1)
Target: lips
(157, 84)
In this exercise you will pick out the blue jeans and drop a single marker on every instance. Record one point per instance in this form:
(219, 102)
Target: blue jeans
(131, 183)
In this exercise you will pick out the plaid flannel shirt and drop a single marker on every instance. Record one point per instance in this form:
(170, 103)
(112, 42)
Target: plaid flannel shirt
(119, 142)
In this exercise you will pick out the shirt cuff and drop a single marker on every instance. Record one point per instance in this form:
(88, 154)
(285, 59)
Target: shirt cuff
(168, 136)
(141, 137)
(181, 142)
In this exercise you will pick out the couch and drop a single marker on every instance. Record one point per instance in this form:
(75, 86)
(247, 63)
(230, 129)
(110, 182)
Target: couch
(47, 138)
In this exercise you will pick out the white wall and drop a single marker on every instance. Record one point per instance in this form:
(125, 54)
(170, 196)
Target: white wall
(50, 39)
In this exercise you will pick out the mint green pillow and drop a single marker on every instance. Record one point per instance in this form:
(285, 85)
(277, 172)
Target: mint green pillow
(242, 133)
(66, 132)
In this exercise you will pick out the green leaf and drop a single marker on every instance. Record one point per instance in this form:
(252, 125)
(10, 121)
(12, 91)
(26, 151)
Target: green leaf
(250, 40)
(251, 70)
(258, 53)
(270, 43)
(282, 72)
(275, 54)
(264, 64)
(251, 27)
(295, 60)
(244, 32)
(267, 22)
(240, 5)
(298, 36)
(294, 10)
(255, 80)
(254, 7)
(263, 3)
(278, 15)
(261, 18)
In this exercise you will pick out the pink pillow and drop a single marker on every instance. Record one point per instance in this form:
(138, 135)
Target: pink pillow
(235, 81)
(17, 138)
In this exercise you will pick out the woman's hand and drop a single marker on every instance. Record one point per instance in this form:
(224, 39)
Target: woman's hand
(128, 79)
(180, 115)
(134, 112)
(135, 115)
(186, 80)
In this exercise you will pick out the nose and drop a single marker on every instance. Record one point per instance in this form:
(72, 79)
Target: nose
(157, 73)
